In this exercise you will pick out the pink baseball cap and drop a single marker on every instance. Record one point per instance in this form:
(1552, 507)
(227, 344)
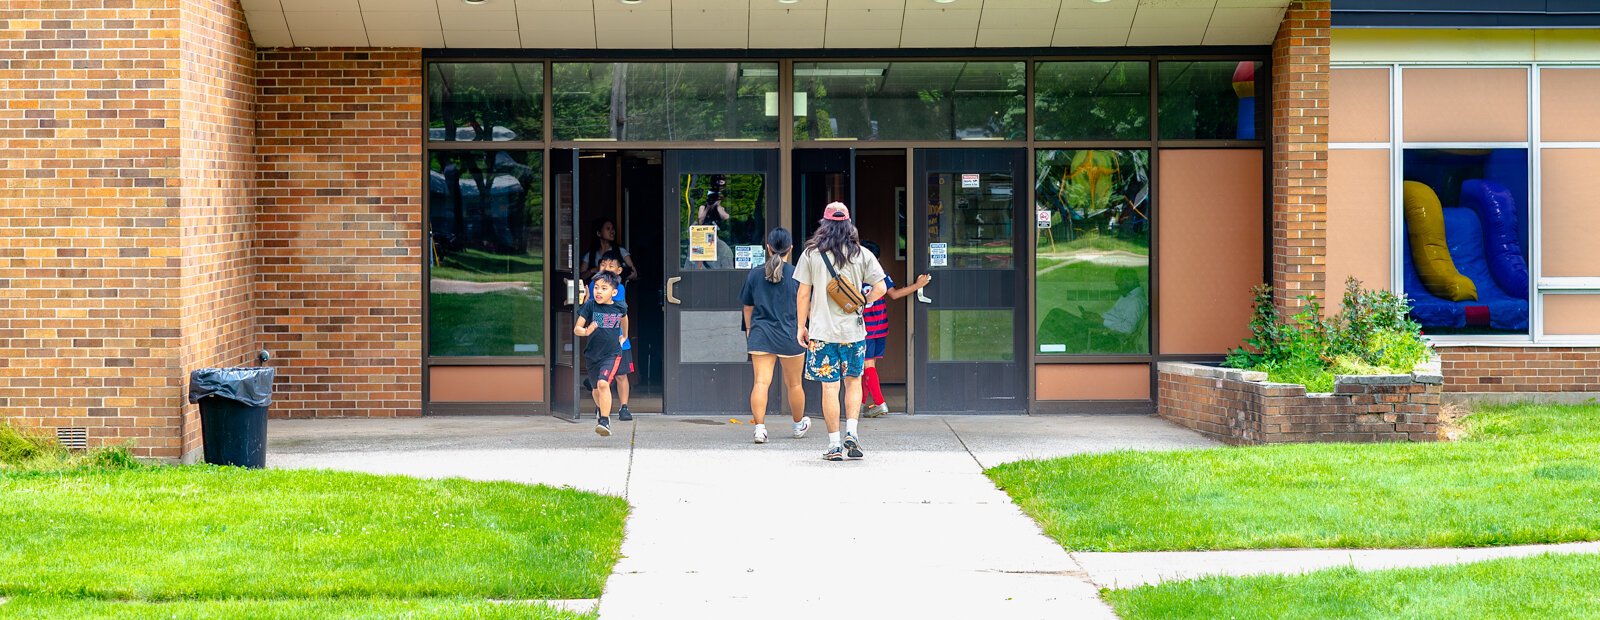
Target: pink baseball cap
(836, 211)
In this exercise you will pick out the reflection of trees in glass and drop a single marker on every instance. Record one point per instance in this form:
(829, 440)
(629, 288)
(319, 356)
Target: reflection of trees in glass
(1092, 100)
(741, 196)
(664, 101)
(485, 210)
(939, 101)
(1093, 263)
(486, 101)
(1198, 100)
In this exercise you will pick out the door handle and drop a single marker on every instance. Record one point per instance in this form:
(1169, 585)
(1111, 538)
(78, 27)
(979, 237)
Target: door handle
(923, 298)
(572, 291)
(672, 284)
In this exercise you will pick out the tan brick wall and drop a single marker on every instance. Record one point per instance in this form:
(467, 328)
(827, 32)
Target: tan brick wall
(90, 219)
(339, 157)
(1300, 152)
(1521, 369)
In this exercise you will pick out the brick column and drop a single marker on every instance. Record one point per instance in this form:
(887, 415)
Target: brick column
(1300, 152)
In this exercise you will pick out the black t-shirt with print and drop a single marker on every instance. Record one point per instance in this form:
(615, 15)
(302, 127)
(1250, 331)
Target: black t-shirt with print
(606, 340)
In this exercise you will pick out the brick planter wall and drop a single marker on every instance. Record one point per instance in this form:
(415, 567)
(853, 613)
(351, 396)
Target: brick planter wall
(1241, 407)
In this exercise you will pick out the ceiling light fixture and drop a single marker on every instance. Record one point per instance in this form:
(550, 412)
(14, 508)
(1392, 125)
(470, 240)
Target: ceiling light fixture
(475, 2)
(630, 1)
(1099, 1)
(787, 1)
(944, 1)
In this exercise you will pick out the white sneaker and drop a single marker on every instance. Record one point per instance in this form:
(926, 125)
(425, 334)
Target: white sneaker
(761, 434)
(877, 410)
(801, 427)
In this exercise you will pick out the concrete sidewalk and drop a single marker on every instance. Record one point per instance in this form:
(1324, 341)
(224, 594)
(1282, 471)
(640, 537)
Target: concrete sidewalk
(724, 528)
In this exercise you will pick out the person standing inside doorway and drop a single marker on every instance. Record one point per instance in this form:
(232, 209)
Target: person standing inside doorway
(769, 321)
(877, 317)
(605, 242)
(835, 335)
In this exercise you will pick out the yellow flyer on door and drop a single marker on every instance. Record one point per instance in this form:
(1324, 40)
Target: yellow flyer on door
(702, 243)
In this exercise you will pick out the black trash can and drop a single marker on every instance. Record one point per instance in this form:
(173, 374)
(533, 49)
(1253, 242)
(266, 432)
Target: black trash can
(233, 413)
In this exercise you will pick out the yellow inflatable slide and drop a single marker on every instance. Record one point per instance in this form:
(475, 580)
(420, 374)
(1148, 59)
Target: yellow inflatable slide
(1425, 229)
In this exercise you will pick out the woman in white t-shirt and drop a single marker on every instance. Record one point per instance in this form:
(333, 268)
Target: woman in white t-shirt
(605, 240)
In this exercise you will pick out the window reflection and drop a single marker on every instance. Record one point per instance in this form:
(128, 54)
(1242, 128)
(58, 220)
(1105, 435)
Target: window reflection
(910, 101)
(486, 271)
(723, 220)
(1093, 259)
(970, 220)
(665, 101)
(1210, 100)
(1092, 101)
(485, 101)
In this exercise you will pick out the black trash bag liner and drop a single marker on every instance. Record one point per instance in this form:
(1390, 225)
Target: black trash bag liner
(251, 386)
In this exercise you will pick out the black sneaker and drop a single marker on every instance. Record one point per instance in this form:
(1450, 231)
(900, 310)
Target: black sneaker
(603, 427)
(852, 447)
(835, 453)
(624, 415)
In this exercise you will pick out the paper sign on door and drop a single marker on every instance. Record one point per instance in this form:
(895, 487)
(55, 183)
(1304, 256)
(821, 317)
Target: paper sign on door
(969, 181)
(702, 243)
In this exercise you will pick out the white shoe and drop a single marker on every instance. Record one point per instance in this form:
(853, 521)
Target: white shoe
(761, 435)
(801, 427)
(877, 410)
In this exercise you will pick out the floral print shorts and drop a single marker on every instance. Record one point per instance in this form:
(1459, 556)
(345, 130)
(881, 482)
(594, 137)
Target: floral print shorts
(828, 361)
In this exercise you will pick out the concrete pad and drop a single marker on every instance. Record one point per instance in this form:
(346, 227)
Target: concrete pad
(994, 440)
(1128, 570)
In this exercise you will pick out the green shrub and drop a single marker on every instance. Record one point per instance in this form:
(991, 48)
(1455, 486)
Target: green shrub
(18, 448)
(1372, 334)
(24, 452)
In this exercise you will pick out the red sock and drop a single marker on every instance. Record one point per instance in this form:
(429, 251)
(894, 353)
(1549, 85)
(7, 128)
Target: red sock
(871, 393)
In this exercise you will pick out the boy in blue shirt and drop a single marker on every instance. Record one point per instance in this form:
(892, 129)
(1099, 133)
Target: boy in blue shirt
(611, 262)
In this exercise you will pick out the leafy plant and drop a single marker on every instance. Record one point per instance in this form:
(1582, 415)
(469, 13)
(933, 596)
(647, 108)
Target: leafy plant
(1372, 334)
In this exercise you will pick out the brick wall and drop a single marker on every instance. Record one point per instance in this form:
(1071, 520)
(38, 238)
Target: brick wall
(1239, 407)
(1518, 369)
(90, 219)
(218, 172)
(1300, 151)
(339, 160)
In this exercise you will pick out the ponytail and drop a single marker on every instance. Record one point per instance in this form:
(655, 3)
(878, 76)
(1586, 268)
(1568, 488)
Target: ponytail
(779, 242)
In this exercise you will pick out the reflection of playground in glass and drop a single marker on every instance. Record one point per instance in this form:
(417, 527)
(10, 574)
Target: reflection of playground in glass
(1093, 256)
(971, 215)
(722, 218)
(486, 282)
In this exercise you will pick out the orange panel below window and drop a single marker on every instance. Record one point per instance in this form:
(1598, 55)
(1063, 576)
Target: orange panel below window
(486, 384)
(1093, 381)
(1572, 315)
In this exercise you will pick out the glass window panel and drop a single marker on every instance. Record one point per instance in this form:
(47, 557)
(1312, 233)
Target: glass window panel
(486, 259)
(1464, 258)
(485, 101)
(1093, 261)
(665, 101)
(1210, 100)
(723, 220)
(712, 336)
(1092, 101)
(971, 336)
(910, 101)
(971, 214)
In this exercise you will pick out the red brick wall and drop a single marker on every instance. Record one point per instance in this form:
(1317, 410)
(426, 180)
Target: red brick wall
(1236, 407)
(339, 161)
(1521, 369)
(91, 219)
(218, 173)
(1300, 151)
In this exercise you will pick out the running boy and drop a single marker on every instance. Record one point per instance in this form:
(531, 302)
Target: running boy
(877, 317)
(604, 320)
(611, 262)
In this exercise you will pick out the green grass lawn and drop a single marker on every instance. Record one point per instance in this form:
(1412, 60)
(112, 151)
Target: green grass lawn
(50, 608)
(1522, 474)
(1544, 587)
(295, 543)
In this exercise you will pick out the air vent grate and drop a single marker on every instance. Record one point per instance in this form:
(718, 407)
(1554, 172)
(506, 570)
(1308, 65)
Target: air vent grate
(75, 437)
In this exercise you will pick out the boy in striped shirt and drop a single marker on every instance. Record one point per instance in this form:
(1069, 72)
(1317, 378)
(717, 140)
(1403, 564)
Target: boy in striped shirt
(877, 318)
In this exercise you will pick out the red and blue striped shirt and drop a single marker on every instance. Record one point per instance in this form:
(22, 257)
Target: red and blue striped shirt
(877, 314)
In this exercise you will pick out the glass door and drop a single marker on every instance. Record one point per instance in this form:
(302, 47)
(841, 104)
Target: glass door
(967, 231)
(725, 201)
(566, 361)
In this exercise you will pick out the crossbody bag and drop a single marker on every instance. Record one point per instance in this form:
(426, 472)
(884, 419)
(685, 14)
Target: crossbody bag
(844, 294)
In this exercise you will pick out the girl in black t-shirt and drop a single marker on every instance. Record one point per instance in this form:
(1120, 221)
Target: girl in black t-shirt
(769, 320)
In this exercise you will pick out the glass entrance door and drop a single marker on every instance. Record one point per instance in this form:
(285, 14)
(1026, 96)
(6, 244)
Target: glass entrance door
(566, 363)
(967, 231)
(725, 201)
